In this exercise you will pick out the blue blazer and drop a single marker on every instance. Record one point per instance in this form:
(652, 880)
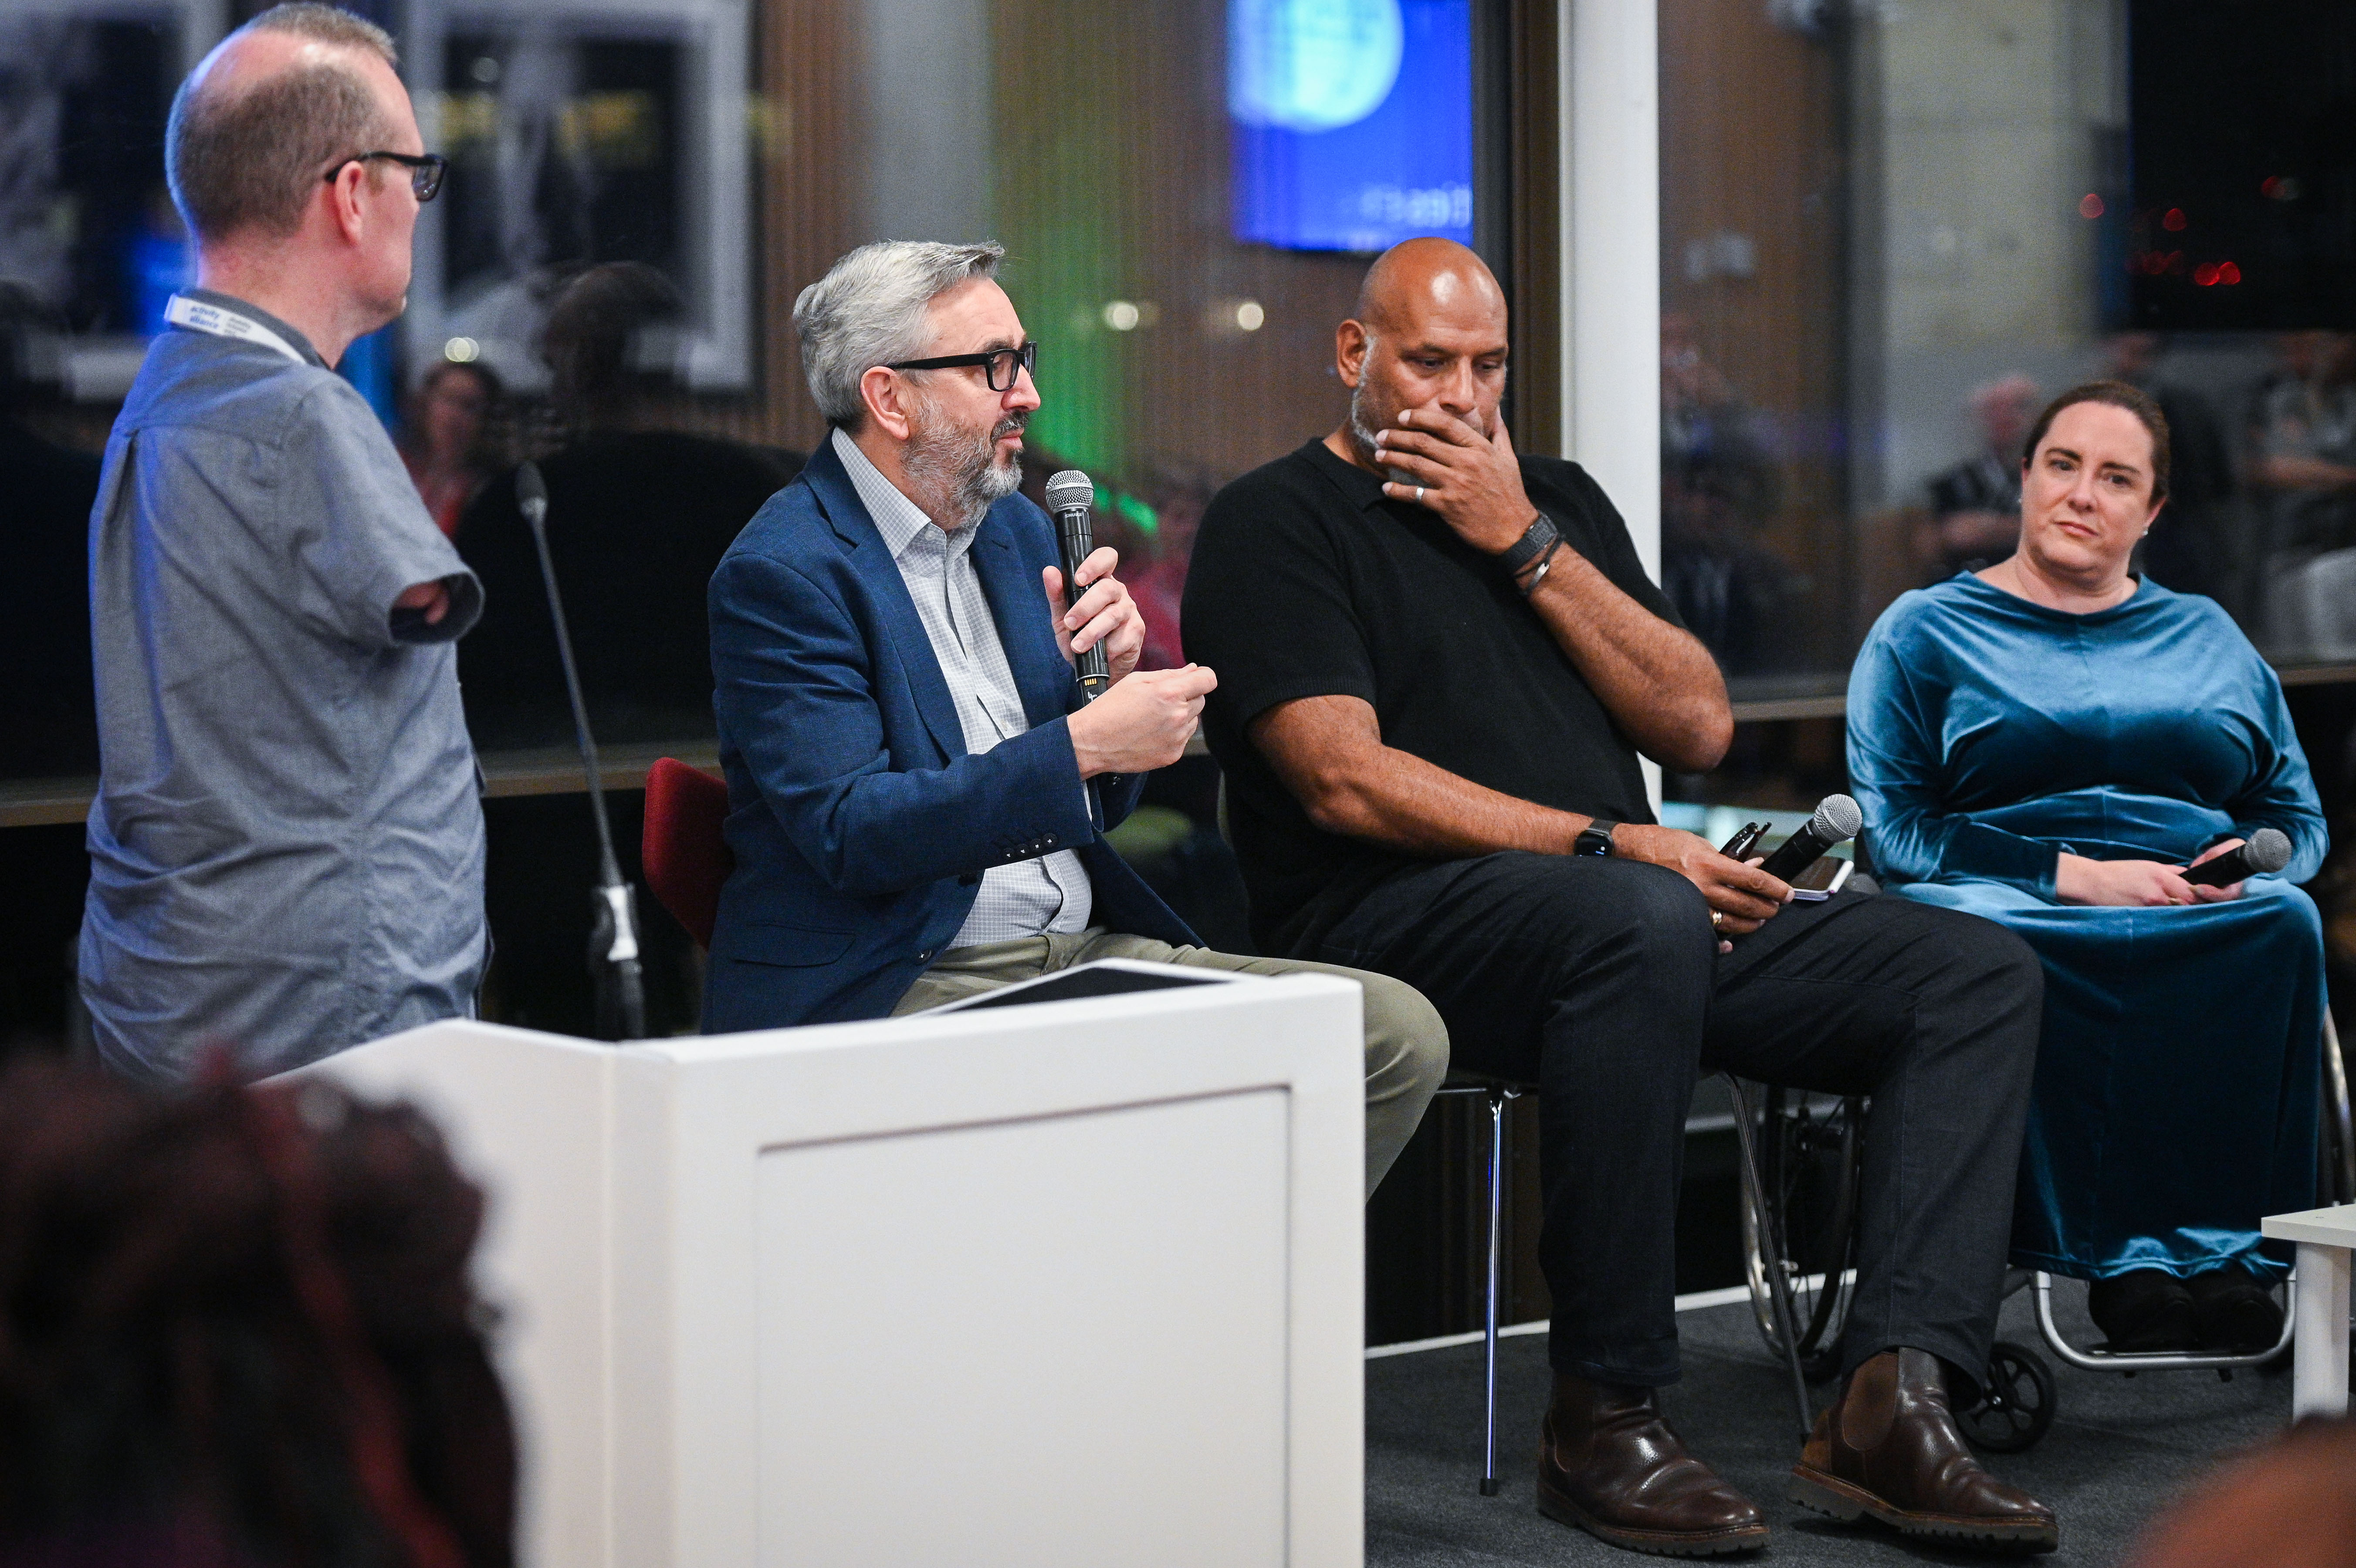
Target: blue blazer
(859, 822)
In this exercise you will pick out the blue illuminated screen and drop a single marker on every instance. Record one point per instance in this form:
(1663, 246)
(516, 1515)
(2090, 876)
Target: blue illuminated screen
(1351, 120)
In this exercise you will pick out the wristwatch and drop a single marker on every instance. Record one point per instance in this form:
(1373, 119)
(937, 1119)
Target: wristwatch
(1595, 838)
(1540, 536)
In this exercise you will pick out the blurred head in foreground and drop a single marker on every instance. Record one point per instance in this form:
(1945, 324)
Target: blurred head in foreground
(2290, 1503)
(236, 1328)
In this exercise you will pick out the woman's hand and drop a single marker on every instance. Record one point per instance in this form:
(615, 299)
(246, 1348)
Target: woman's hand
(2225, 894)
(2122, 883)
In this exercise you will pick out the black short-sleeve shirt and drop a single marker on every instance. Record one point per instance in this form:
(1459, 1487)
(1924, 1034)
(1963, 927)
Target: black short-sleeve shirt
(1306, 581)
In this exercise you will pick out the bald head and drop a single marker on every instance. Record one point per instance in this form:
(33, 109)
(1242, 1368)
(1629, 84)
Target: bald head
(1430, 334)
(1418, 277)
(260, 119)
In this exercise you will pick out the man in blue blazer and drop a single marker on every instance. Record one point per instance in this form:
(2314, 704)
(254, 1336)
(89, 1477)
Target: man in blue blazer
(909, 761)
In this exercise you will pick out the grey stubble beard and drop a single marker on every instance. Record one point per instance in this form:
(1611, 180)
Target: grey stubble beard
(964, 475)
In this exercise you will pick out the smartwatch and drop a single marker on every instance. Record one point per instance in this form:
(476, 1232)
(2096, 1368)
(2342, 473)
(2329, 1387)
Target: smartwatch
(1595, 838)
(1540, 536)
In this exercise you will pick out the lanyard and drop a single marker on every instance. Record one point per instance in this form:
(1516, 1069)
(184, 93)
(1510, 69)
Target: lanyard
(198, 316)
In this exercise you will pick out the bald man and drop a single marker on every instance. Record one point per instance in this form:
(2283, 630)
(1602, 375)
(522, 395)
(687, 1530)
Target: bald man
(1437, 662)
(286, 849)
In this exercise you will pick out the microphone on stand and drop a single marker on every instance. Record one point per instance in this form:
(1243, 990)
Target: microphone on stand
(614, 942)
(2267, 851)
(1837, 818)
(1071, 495)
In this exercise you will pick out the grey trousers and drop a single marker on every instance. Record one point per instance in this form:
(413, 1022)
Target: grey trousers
(1407, 1045)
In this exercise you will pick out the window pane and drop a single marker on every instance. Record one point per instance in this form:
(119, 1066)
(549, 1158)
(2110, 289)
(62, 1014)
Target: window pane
(1889, 234)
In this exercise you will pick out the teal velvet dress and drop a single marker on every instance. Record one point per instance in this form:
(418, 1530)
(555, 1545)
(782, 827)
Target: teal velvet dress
(2177, 1085)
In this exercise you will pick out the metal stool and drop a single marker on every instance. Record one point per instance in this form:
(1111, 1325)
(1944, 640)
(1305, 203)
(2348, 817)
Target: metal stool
(1497, 1091)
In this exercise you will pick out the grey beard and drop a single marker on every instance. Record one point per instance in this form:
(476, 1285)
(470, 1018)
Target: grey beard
(965, 474)
(1363, 434)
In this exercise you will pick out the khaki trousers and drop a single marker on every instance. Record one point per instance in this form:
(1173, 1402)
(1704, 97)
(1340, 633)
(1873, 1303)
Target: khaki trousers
(1407, 1045)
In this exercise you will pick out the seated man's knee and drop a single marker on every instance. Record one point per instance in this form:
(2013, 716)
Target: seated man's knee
(1406, 1043)
(1656, 910)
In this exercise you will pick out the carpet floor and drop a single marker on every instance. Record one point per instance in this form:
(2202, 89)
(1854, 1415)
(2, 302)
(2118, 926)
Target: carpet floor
(2119, 1448)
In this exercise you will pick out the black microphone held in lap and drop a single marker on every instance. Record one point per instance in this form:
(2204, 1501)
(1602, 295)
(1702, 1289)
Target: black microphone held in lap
(1071, 495)
(2267, 851)
(614, 942)
(1837, 818)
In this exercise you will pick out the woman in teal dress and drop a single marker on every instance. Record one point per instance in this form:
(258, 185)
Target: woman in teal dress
(2048, 743)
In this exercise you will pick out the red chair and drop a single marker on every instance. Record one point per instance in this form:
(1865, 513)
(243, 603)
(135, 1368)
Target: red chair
(685, 855)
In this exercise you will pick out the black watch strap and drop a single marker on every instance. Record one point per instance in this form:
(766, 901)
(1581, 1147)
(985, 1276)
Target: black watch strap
(1540, 536)
(1595, 838)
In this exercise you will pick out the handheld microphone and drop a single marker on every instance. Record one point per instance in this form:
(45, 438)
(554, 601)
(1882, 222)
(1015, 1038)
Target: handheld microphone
(1070, 495)
(1837, 818)
(614, 942)
(2267, 851)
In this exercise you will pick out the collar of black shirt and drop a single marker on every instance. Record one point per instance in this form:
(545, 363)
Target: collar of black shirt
(1360, 488)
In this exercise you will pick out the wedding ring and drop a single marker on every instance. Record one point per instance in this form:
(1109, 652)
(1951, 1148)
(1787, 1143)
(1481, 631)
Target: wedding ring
(1716, 920)
(1418, 495)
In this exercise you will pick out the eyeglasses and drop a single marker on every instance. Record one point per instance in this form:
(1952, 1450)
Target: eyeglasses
(998, 366)
(425, 170)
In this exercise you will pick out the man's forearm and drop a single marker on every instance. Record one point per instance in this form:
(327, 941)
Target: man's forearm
(1658, 683)
(1351, 784)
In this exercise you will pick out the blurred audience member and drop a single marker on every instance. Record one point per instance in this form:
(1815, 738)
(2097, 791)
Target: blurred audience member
(1976, 504)
(1719, 488)
(2303, 439)
(2191, 547)
(236, 1328)
(2288, 1503)
(446, 448)
(2303, 464)
(1156, 573)
(638, 516)
(49, 724)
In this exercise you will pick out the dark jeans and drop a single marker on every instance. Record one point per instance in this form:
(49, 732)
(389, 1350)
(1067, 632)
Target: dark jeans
(1600, 980)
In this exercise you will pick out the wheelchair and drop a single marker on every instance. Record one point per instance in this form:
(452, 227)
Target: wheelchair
(1801, 1167)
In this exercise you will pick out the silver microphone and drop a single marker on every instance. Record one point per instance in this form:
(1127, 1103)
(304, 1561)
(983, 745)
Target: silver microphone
(1837, 818)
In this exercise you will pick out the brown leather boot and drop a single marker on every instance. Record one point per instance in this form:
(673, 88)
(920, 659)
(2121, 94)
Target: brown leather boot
(1888, 1447)
(1609, 1463)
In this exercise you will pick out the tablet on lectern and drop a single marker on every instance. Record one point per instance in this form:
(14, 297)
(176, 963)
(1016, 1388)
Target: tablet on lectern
(1104, 977)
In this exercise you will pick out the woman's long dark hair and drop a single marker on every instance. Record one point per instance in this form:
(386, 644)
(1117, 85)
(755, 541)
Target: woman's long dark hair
(236, 1326)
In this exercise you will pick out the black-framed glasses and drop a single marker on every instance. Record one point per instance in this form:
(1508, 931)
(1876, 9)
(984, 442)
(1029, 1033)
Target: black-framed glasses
(425, 170)
(998, 366)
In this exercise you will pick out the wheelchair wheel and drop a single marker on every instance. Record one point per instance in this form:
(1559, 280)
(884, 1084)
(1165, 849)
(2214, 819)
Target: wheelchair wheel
(1801, 1227)
(2016, 1403)
(2335, 1181)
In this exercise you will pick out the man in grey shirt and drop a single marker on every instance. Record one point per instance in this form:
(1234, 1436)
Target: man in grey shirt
(286, 850)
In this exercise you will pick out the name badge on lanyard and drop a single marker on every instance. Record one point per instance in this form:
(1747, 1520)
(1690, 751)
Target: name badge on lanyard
(198, 316)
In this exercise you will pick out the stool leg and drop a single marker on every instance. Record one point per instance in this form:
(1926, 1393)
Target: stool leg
(2318, 1376)
(1489, 1483)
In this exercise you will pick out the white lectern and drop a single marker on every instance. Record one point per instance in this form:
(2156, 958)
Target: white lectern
(1072, 1283)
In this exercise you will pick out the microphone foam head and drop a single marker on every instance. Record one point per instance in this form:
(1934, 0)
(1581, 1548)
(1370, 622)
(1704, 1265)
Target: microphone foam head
(1837, 818)
(530, 486)
(2267, 851)
(1070, 488)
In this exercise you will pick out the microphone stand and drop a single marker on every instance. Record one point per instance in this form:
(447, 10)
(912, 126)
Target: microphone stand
(613, 964)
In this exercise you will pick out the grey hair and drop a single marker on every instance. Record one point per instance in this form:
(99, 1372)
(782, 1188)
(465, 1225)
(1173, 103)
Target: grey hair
(248, 159)
(868, 310)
